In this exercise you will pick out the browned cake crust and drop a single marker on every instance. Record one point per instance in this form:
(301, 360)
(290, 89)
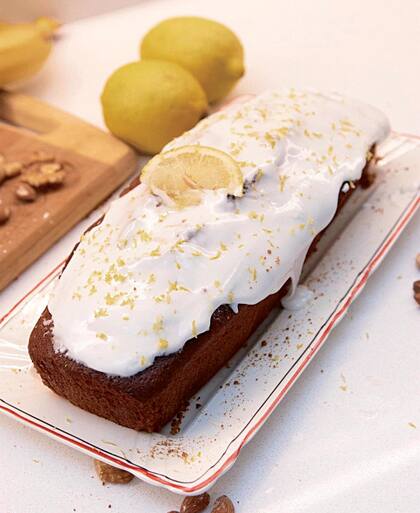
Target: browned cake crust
(150, 398)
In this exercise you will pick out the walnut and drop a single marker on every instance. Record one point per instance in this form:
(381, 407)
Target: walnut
(25, 192)
(223, 505)
(40, 157)
(50, 168)
(47, 174)
(12, 169)
(195, 504)
(109, 474)
(4, 214)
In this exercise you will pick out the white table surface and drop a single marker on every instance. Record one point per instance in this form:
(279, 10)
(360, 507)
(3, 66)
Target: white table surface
(324, 449)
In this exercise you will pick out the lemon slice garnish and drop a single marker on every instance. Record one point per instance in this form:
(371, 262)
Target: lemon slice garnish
(181, 175)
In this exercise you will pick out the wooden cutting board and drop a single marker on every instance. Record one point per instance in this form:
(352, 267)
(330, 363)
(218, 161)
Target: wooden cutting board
(95, 164)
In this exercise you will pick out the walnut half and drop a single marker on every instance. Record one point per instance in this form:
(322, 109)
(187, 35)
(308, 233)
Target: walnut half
(109, 474)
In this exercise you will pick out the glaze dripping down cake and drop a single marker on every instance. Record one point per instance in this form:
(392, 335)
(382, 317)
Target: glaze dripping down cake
(157, 297)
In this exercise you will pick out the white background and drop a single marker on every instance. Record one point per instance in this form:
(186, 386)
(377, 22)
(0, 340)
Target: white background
(324, 449)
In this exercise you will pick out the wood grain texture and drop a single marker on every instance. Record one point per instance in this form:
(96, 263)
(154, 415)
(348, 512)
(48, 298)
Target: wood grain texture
(97, 163)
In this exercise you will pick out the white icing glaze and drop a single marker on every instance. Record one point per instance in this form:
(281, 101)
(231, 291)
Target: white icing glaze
(149, 277)
(300, 297)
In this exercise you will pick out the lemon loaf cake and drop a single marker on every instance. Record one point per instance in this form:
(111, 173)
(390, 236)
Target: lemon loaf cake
(187, 263)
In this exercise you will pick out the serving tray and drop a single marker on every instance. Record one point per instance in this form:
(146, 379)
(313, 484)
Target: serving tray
(189, 455)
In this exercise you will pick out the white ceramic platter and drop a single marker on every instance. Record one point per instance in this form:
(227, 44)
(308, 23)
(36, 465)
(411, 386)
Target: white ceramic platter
(228, 412)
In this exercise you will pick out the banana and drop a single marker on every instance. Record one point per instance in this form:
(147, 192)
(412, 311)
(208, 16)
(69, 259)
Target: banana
(24, 47)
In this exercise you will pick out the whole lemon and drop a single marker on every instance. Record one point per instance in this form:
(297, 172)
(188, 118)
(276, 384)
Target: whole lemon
(148, 103)
(209, 50)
